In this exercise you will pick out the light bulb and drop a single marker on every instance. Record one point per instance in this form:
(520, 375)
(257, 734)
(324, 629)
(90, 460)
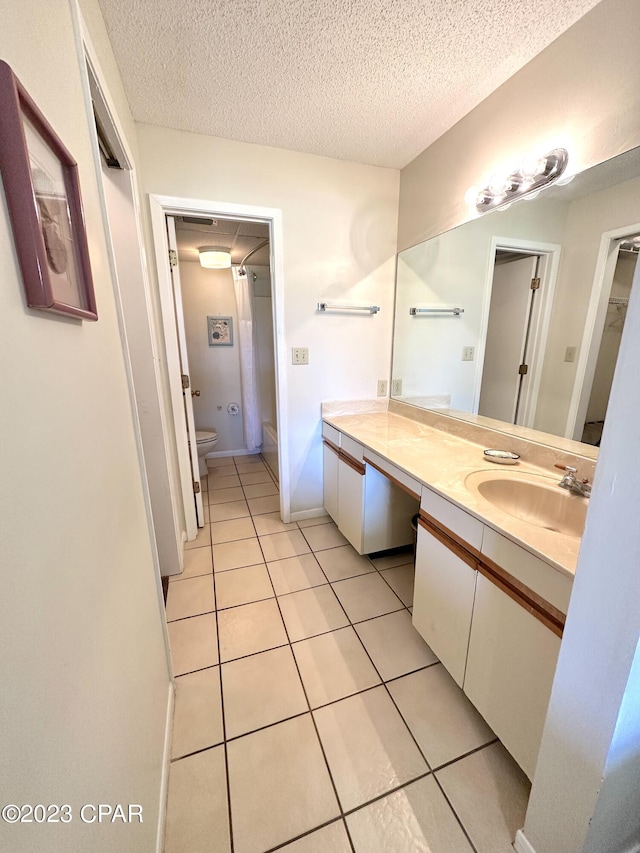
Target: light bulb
(214, 257)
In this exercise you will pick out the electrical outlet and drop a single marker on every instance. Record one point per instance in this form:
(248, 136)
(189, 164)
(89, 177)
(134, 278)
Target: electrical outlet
(468, 353)
(382, 387)
(396, 387)
(300, 355)
(570, 353)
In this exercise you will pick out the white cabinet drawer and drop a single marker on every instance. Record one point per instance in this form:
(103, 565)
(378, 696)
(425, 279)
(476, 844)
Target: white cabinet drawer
(352, 447)
(331, 434)
(465, 526)
(394, 473)
(550, 584)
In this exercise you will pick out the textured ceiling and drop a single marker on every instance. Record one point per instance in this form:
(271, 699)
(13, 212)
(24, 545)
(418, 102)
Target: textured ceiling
(373, 81)
(239, 237)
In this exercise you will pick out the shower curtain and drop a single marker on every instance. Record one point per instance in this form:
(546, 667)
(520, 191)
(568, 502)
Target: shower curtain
(248, 378)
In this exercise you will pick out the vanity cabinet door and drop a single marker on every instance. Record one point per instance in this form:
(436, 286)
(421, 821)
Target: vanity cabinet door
(510, 669)
(444, 590)
(330, 485)
(351, 504)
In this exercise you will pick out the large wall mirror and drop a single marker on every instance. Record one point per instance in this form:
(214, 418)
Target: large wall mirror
(517, 315)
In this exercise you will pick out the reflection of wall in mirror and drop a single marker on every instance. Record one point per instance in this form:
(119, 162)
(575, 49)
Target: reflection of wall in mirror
(611, 336)
(455, 267)
(587, 219)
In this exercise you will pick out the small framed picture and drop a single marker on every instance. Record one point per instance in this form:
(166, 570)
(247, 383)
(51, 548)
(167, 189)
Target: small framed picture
(220, 331)
(42, 189)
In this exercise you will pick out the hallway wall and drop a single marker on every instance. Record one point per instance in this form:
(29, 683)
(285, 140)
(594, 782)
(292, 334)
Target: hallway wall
(339, 226)
(83, 669)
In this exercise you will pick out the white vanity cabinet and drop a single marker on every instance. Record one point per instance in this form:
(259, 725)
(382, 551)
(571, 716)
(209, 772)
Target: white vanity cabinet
(371, 510)
(510, 668)
(493, 613)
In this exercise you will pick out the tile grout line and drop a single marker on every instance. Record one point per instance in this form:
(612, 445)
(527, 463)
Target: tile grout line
(222, 710)
(310, 712)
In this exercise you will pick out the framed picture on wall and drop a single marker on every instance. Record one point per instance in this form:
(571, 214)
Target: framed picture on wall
(42, 189)
(220, 331)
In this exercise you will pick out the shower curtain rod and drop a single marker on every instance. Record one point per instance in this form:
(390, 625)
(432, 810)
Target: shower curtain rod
(241, 269)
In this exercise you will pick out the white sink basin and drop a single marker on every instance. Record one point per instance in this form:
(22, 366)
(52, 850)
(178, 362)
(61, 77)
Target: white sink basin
(533, 498)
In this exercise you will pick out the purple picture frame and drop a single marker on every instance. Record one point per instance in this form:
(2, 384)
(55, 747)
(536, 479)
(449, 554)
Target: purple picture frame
(42, 189)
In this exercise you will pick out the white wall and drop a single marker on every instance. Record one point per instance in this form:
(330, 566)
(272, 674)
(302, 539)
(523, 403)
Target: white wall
(582, 90)
(339, 223)
(215, 371)
(84, 671)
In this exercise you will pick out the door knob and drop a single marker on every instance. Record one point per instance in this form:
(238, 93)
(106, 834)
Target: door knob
(195, 393)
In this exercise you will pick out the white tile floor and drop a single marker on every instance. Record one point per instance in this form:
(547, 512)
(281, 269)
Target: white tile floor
(310, 716)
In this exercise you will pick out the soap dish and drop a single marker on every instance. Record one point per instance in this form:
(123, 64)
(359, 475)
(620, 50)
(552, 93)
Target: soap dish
(501, 457)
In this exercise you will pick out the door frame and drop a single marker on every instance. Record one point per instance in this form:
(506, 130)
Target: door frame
(549, 263)
(160, 206)
(594, 327)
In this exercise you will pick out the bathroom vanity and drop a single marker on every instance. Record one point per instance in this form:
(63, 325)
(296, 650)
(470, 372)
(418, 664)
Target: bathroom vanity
(493, 572)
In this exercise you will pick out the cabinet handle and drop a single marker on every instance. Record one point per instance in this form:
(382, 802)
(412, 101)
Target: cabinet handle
(357, 466)
(331, 446)
(542, 610)
(449, 543)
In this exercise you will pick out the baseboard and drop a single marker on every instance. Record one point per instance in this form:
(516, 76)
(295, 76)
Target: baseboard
(218, 454)
(521, 844)
(166, 763)
(309, 513)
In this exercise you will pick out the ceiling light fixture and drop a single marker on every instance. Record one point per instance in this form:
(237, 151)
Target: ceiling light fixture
(535, 173)
(214, 257)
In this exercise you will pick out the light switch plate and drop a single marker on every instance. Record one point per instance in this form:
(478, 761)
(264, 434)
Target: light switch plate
(570, 353)
(300, 355)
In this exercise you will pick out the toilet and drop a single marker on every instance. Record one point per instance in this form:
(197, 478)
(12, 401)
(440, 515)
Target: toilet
(205, 440)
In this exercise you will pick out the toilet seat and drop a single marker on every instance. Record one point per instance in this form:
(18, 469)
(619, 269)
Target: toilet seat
(203, 436)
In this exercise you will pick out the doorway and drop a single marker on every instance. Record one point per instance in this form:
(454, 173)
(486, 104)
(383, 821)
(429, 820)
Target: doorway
(224, 320)
(219, 409)
(613, 282)
(505, 372)
(517, 309)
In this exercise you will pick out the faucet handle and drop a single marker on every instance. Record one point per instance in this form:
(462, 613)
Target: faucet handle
(567, 468)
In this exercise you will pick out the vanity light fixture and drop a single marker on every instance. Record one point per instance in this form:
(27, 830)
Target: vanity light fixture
(214, 257)
(534, 174)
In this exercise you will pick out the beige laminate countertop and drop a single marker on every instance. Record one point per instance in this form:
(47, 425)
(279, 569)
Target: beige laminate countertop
(441, 462)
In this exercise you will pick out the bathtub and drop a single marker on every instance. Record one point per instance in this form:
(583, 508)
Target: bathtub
(270, 447)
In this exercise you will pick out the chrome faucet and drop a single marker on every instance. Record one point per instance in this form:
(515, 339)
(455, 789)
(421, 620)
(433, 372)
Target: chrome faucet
(572, 484)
